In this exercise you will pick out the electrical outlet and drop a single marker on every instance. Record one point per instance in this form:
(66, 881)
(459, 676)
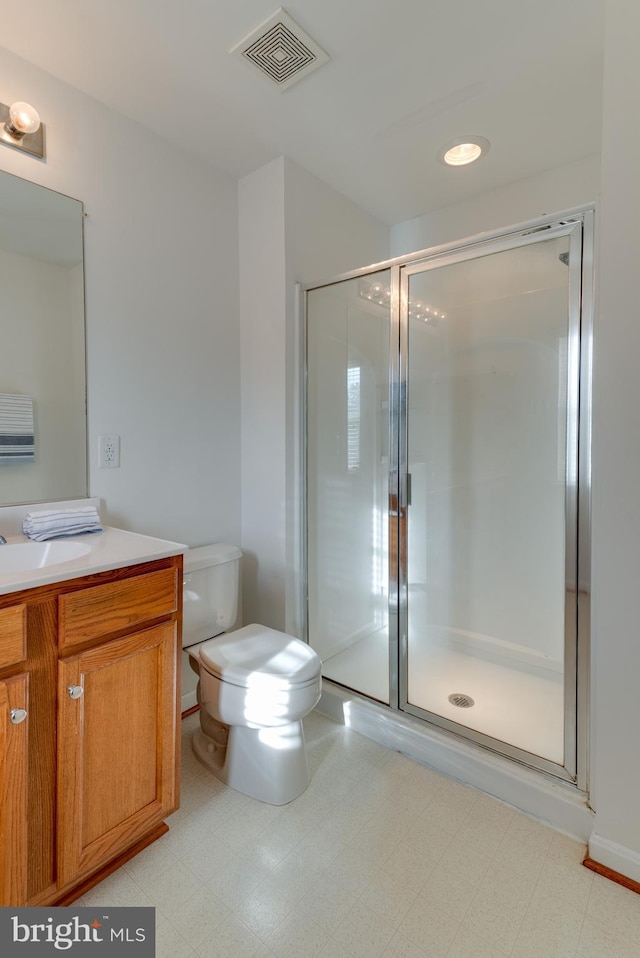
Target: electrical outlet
(108, 452)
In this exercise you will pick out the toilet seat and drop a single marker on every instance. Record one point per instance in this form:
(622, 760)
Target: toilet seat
(256, 656)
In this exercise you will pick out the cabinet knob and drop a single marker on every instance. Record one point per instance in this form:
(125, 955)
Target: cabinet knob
(18, 715)
(75, 691)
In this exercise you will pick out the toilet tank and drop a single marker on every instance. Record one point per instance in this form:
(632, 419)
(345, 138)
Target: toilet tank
(210, 593)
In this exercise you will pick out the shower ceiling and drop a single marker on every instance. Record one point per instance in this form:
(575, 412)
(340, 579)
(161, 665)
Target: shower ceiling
(402, 80)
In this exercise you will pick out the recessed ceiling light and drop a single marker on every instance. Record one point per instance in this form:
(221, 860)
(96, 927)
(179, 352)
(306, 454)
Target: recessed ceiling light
(463, 150)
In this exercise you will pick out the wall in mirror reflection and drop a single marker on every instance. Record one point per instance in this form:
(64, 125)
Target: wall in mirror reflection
(42, 337)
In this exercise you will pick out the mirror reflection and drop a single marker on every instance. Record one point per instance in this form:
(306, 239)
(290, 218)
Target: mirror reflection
(42, 345)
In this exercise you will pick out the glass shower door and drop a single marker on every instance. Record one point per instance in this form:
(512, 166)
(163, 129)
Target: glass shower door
(347, 440)
(490, 366)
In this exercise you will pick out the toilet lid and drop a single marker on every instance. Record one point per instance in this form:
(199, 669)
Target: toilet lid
(256, 655)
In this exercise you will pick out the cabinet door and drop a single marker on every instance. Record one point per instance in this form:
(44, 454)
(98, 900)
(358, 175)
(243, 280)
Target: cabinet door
(13, 790)
(117, 746)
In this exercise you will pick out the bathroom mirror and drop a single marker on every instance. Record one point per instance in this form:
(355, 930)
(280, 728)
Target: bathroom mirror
(42, 345)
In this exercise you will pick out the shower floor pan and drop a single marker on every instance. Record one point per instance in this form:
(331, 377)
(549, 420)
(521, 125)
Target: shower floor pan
(512, 703)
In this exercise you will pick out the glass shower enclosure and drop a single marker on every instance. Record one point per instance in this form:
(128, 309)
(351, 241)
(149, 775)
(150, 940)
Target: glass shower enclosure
(447, 475)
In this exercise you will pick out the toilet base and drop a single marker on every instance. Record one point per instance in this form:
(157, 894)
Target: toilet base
(269, 764)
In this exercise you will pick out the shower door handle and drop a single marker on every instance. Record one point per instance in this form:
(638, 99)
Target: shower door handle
(405, 491)
(394, 499)
(399, 492)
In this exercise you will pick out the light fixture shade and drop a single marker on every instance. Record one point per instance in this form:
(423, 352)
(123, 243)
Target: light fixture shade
(463, 150)
(23, 118)
(20, 128)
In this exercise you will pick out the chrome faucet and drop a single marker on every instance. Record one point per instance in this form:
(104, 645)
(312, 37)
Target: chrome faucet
(3, 541)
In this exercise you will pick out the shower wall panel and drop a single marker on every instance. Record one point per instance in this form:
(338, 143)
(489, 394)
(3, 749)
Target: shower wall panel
(347, 469)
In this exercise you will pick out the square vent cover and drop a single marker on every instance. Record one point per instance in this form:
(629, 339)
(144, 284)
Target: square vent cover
(281, 50)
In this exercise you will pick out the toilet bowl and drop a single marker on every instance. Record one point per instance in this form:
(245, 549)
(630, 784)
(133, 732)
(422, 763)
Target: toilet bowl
(255, 686)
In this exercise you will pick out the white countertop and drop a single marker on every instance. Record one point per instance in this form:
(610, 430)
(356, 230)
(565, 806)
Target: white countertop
(109, 549)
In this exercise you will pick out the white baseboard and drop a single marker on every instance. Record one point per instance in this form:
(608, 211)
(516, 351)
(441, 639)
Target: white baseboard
(553, 802)
(617, 857)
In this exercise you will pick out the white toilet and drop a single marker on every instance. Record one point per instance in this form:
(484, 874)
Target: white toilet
(256, 684)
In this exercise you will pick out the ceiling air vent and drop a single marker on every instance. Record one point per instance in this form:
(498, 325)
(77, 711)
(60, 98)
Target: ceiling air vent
(281, 50)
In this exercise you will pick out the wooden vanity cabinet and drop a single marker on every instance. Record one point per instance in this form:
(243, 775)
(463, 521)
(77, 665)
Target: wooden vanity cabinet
(116, 746)
(13, 784)
(88, 777)
(14, 726)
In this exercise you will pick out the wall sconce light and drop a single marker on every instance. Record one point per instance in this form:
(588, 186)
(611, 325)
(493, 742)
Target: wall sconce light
(20, 127)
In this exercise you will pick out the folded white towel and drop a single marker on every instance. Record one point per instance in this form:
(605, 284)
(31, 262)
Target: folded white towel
(53, 523)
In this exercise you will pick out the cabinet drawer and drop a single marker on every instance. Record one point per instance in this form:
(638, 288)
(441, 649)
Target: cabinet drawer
(13, 635)
(103, 609)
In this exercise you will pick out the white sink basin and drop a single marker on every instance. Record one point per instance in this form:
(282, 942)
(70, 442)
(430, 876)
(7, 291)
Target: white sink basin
(25, 556)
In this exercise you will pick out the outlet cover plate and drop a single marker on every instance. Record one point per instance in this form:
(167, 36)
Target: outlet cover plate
(108, 452)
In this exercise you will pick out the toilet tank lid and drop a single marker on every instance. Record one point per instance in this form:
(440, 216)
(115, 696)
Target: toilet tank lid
(202, 557)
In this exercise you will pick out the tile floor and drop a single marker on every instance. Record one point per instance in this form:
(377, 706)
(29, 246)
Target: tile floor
(379, 858)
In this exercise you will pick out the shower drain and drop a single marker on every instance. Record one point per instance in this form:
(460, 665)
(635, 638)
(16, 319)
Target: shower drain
(461, 700)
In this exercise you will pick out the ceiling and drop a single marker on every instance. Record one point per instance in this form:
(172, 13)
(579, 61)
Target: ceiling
(403, 78)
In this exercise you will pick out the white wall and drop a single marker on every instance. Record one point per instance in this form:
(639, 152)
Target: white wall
(263, 376)
(161, 293)
(40, 359)
(616, 463)
(555, 190)
(293, 228)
